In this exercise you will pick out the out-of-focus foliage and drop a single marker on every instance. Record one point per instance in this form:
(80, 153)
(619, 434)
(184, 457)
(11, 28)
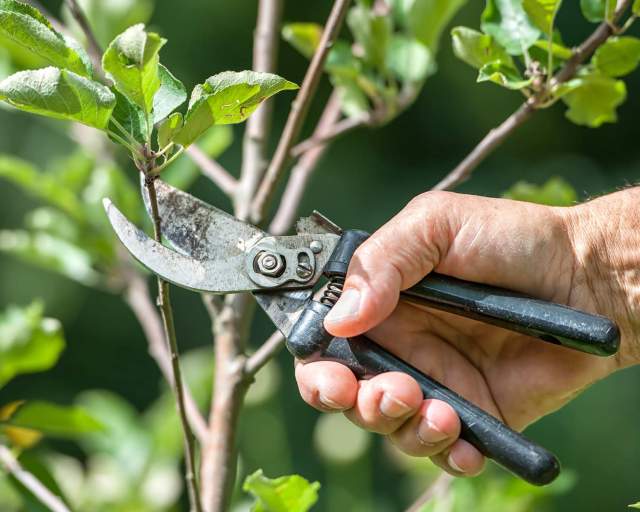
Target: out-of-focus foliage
(555, 192)
(284, 494)
(520, 48)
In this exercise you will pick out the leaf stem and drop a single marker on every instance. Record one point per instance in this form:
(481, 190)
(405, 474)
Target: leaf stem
(157, 170)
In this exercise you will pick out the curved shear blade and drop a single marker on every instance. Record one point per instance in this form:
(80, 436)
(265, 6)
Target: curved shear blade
(198, 229)
(222, 274)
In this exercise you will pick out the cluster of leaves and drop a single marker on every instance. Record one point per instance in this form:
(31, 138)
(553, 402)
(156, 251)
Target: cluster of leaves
(393, 52)
(141, 95)
(555, 192)
(520, 48)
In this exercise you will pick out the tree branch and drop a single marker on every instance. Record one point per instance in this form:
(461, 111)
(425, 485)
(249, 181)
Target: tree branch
(137, 297)
(299, 110)
(498, 135)
(256, 136)
(303, 170)
(339, 129)
(166, 311)
(37, 488)
(264, 354)
(436, 490)
(95, 52)
(213, 170)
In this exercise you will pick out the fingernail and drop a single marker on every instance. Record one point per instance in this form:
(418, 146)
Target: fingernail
(453, 465)
(393, 408)
(346, 308)
(329, 404)
(429, 434)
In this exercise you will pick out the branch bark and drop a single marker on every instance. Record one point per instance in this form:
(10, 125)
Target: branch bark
(264, 354)
(331, 133)
(256, 136)
(299, 110)
(213, 170)
(166, 311)
(302, 171)
(498, 135)
(139, 300)
(37, 488)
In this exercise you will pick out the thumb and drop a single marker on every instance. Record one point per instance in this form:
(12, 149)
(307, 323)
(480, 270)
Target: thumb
(394, 258)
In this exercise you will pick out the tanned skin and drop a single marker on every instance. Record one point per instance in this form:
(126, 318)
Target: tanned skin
(587, 257)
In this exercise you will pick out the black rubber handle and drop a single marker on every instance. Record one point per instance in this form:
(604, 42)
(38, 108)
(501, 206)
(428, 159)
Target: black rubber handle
(493, 438)
(547, 321)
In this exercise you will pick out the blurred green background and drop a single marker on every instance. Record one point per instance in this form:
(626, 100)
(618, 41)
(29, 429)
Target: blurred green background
(365, 178)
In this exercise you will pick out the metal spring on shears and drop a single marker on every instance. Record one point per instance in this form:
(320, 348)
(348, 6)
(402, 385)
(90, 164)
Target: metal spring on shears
(333, 292)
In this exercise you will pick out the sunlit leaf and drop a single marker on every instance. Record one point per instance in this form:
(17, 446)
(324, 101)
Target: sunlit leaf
(285, 494)
(53, 222)
(476, 48)
(54, 420)
(168, 128)
(598, 10)
(593, 99)
(542, 13)
(409, 59)
(508, 23)
(540, 52)
(28, 342)
(503, 74)
(636, 7)
(28, 28)
(304, 37)
(170, 96)
(60, 94)
(228, 98)
(342, 62)
(555, 192)
(132, 60)
(635, 505)
(619, 56)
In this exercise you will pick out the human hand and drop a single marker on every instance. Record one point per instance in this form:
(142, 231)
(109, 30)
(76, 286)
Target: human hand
(566, 255)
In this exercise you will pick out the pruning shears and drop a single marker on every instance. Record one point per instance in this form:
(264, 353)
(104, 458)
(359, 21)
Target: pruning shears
(212, 251)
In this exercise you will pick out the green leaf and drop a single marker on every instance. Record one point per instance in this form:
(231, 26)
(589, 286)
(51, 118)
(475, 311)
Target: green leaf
(508, 23)
(51, 253)
(619, 56)
(170, 96)
(285, 494)
(597, 10)
(409, 59)
(304, 37)
(426, 19)
(60, 94)
(342, 62)
(132, 61)
(131, 118)
(27, 27)
(28, 341)
(555, 192)
(372, 32)
(636, 8)
(540, 52)
(44, 186)
(54, 223)
(542, 13)
(168, 129)
(54, 420)
(503, 74)
(228, 98)
(477, 49)
(635, 505)
(593, 99)
(353, 100)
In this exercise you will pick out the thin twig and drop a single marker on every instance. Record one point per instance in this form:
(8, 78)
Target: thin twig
(139, 300)
(436, 490)
(497, 136)
(303, 170)
(299, 110)
(254, 148)
(95, 52)
(264, 354)
(166, 311)
(37, 488)
(337, 130)
(213, 170)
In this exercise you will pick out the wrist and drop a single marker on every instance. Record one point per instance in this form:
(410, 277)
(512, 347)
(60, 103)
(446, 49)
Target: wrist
(605, 235)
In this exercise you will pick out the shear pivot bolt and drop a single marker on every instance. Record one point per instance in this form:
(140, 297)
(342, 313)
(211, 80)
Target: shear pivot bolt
(316, 247)
(269, 264)
(304, 270)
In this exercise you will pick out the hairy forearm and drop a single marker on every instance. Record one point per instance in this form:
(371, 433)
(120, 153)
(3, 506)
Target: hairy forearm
(605, 234)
